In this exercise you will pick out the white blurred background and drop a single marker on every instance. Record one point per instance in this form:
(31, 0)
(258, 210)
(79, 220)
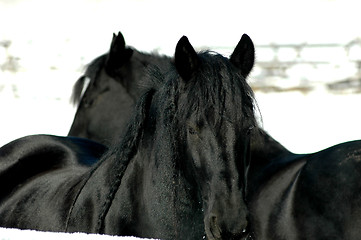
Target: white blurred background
(306, 80)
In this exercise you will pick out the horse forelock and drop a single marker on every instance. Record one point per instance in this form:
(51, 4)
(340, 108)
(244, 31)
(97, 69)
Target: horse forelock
(220, 88)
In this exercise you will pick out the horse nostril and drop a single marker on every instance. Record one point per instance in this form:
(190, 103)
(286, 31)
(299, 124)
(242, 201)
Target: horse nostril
(244, 234)
(214, 228)
(237, 236)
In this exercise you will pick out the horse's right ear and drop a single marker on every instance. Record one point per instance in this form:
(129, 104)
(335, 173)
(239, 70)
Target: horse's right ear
(118, 54)
(186, 59)
(243, 55)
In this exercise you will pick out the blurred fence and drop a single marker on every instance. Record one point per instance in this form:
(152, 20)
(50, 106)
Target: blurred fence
(283, 67)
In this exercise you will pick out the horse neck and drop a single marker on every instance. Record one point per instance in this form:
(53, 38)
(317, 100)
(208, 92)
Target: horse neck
(102, 182)
(152, 191)
(264, 151)
(95, 195)
(264, 148)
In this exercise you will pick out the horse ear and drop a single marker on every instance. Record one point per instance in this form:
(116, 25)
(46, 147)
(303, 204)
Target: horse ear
(118, 54)
(243, 55)
(186, 59)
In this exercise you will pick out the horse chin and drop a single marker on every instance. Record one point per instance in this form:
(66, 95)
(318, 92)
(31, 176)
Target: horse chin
(241, 236)
(213, 230)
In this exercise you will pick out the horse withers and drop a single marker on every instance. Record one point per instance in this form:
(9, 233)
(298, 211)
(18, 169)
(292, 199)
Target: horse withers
(178, 172)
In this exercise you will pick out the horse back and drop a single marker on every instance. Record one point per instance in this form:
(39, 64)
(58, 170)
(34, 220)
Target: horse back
(328, 197)
(43, 172)
(313, 196)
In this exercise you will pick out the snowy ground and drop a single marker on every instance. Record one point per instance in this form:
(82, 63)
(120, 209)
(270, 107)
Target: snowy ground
(9, 234)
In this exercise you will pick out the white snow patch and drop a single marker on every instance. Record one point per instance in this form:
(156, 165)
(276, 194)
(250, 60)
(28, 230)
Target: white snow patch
(11, 233)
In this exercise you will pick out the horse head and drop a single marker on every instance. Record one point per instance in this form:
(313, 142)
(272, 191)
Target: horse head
(116, 81)
(216, 104)
(128, 66)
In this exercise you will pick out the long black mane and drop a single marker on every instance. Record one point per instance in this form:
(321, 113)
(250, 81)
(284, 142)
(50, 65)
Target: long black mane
(122, 152)
(125, 151)
(127, 144)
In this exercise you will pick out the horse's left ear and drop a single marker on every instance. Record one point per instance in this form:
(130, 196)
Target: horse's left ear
(186, 59)
(118, 54)
(243, 55)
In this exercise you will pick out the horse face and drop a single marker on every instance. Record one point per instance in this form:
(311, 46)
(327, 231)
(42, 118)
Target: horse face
(93, 119)
(218, 167)
(217, 137)
(108, 101)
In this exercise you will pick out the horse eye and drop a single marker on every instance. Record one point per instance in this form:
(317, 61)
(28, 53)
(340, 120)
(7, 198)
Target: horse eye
(250, 129)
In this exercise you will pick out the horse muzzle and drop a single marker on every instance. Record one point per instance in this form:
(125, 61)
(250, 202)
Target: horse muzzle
(219, 230)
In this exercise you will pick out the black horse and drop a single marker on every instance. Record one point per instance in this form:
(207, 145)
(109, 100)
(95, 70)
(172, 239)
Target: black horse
(178, 172)
(117, 80)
